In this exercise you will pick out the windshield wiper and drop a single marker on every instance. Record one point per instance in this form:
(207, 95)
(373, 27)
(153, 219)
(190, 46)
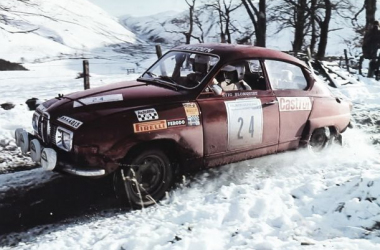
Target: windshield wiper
(165, 78)
(151, 74)
(160, 82)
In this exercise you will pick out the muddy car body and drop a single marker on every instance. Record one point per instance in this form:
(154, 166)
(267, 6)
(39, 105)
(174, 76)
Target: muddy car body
(197, 106)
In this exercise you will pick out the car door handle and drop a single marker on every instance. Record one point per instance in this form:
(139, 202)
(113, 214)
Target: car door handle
(269, 103)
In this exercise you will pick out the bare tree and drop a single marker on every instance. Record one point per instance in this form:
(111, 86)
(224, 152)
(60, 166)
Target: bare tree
(259, 20)
(199, 24)
(187, 21)
(293, 14)
(224, 10)
(324, 23)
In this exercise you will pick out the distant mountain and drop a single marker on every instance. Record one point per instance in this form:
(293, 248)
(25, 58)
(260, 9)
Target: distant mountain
(37, 28)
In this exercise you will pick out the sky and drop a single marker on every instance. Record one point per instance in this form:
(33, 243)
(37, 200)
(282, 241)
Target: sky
(140, 7)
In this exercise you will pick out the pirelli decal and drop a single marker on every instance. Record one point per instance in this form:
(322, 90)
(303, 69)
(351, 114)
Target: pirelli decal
(149, 126)
(294, 103)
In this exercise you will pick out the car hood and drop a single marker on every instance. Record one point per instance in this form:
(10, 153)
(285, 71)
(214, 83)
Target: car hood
(102, 101)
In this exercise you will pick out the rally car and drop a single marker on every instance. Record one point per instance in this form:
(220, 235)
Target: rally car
(198, 106)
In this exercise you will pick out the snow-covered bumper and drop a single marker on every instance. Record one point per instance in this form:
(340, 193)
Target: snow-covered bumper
(48, 157)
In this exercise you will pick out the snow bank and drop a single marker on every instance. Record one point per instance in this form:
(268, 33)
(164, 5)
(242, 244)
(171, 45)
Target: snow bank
(275, 202)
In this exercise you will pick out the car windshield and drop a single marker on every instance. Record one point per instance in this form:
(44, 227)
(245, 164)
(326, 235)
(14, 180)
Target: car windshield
(181, 69)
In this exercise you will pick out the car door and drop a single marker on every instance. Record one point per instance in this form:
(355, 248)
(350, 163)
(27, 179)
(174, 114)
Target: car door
(240, 124)
(290, 86)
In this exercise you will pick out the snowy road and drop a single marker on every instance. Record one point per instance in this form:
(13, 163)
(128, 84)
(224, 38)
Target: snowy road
(273, 202)
(282, 201)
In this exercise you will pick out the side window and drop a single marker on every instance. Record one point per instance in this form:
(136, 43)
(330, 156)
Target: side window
(242, 75)
(284, 75)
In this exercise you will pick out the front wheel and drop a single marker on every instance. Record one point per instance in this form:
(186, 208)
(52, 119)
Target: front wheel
(144, 179)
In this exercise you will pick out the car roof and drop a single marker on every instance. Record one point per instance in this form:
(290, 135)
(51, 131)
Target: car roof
(236, 51)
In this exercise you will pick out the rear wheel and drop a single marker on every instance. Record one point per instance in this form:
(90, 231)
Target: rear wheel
(319, 140)
(144, 179)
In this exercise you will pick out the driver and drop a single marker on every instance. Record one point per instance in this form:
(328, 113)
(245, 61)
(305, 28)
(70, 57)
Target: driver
(201, 66)
(233, 78)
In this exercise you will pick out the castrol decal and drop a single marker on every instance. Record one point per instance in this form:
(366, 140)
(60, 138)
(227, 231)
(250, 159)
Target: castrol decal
(294, 103)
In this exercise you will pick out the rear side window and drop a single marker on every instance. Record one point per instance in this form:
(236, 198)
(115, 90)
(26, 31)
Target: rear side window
(284, 75)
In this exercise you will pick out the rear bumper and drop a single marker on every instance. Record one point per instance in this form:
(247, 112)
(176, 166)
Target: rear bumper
(48, 157)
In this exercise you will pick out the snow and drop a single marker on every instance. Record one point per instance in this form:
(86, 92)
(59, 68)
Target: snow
(290, 200)
(274, 202)
(57, 25)
(161, 27)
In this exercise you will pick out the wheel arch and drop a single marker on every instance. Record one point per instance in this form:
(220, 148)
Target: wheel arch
(313, 125)
(168, 146)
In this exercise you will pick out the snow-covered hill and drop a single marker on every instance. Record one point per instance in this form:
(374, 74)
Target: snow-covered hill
(57, 28)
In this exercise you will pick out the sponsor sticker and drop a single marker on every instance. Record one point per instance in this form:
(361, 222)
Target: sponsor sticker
(192, 114)
(294, 103)
(149, 126)
(239, 94)
(176, 122)
(146, 115)
(193, 120)
(191, 109)
(70, 121)
(98, 99)
(200, 49)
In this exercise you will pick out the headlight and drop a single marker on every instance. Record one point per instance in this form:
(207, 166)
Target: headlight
(35, 120)
(64, 139)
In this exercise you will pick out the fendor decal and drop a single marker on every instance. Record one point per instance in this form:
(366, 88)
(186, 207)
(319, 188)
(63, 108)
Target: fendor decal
(146, 115)
(294, 103)
(70, 121)
(98, 99)
(245, 123)
(192, 114)
(149, 126)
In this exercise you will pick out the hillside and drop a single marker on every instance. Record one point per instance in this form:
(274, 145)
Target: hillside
(35, 29)
(166, 27)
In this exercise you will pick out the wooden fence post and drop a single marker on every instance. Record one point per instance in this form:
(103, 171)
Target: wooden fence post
(347, 62)
(158, 51)
(86, 75)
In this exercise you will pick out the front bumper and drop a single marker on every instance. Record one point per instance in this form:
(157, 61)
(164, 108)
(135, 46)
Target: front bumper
(48, 157)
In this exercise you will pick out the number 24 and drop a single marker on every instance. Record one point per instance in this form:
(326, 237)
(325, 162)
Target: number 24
(251, 127)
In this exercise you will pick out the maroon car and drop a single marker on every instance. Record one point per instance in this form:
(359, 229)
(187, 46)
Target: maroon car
(198, 106)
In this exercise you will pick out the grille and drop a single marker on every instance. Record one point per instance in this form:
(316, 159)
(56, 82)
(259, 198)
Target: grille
(53, 131)
(44, 128)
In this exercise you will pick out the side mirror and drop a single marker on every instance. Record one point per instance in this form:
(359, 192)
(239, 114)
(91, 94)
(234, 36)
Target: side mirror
(216, 89)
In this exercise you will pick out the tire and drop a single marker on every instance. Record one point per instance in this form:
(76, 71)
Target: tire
(319, 140)
(144, 180)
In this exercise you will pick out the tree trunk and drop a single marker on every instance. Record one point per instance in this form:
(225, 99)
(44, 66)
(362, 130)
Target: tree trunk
(299, 26)
(324, 30)
(314, 35)
(222, 36)
(370, 10)
(191, 17)
(262, 24)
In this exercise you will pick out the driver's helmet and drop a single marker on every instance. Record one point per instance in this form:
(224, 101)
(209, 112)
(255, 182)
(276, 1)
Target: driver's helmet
(240, 70)
(286, 75)
(230, 74)
(201, 64)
